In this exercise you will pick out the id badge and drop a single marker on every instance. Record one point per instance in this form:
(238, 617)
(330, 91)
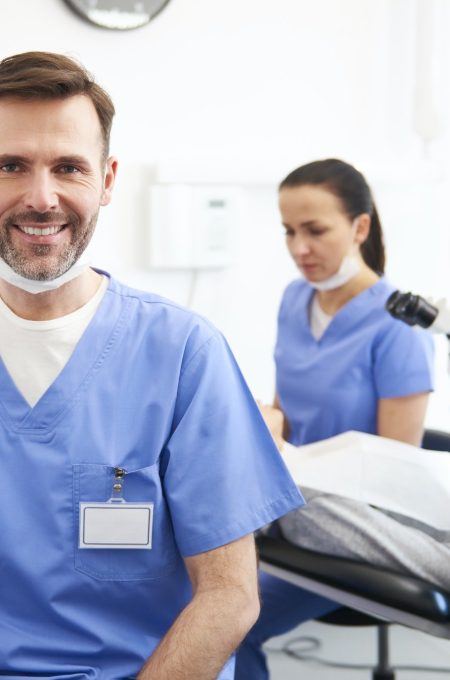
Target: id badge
(116, 524)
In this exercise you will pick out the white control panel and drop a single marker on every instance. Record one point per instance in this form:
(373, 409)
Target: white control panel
(191, 226)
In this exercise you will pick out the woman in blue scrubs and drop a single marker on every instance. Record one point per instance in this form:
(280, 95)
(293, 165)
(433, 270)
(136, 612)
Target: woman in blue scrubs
(342, 363)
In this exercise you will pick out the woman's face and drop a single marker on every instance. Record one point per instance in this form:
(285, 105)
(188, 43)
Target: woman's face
(318, 231)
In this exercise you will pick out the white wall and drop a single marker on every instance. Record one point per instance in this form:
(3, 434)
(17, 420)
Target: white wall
(243, 91)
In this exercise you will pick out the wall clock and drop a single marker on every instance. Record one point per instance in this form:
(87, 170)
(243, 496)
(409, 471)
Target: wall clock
(117, 14)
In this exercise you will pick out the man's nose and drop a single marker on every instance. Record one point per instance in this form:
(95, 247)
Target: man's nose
(41, 192)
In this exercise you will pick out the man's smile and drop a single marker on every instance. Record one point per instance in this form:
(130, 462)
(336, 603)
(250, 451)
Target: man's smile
(40, 231)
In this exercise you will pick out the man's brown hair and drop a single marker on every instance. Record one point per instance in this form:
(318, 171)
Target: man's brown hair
(46, 75)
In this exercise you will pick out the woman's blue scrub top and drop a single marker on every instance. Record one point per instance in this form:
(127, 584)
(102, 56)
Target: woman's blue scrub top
(333, 385)
(153, 389)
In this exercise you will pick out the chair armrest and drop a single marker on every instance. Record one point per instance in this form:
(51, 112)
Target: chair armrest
(399, 598)
(436, 440)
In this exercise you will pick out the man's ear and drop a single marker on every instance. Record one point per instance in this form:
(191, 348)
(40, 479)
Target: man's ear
(362, 228)
(109, 179)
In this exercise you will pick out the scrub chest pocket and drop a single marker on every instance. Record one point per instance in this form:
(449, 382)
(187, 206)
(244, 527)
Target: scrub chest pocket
(93, 484)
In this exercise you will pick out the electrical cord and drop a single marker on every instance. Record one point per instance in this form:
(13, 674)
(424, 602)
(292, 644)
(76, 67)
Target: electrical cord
(309, 645)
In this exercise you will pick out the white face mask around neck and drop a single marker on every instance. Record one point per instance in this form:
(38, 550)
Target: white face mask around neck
(350, 266)
(35, 287)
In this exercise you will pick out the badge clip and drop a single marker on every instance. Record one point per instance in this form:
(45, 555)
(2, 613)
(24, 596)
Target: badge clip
(117, 488)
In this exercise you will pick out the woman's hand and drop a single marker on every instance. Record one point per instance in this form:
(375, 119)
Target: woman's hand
(275, 422)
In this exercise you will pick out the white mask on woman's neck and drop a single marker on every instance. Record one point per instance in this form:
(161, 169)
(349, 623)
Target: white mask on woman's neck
(349, 267)
(32, 286)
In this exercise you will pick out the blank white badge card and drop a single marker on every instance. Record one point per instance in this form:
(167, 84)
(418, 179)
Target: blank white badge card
(116, 525)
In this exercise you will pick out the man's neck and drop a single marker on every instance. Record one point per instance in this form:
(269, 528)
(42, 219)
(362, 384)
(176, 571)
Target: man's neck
(54, 303)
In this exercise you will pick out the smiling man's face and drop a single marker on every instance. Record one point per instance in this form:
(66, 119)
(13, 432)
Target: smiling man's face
(53, 180)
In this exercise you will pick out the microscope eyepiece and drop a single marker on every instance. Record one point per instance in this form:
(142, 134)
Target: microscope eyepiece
(412, 309)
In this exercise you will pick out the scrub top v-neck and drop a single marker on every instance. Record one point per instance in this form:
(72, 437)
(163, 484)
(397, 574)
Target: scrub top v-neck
(87, 357)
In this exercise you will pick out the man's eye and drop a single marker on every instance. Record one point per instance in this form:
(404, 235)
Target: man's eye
(9, 167)
(68, 169)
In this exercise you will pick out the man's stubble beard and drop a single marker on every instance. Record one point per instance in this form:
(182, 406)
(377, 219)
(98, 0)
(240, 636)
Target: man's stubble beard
(29, 267)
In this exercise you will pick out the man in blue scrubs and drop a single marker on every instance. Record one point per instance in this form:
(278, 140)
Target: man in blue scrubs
(135, 464)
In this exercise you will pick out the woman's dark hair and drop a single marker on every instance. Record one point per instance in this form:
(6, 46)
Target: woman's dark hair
(47, 76)
(351, 188)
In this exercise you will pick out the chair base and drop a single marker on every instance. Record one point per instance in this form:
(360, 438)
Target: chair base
(383, 670)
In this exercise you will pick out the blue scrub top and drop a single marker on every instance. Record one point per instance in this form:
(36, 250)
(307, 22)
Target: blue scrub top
(153, 389)
(333, 385)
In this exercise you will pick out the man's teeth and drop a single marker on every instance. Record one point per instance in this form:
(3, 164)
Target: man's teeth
(35, 231)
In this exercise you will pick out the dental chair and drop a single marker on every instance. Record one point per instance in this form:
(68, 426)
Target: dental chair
(369, 595)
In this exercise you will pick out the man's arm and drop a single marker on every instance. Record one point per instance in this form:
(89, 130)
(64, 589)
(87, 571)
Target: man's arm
(224, 607)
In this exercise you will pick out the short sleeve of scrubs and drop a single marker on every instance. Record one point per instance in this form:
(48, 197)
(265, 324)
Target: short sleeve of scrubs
(224, 476)
(403, 361)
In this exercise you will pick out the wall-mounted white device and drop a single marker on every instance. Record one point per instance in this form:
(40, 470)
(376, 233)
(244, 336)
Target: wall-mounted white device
(191, 226)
